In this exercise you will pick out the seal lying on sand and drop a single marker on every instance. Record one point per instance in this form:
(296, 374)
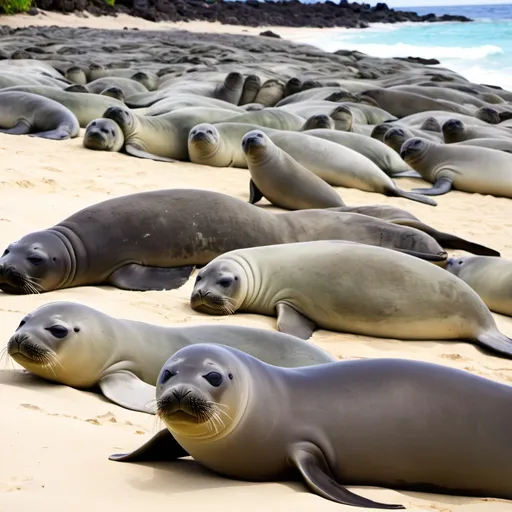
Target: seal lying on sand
(369, 422)
(171, 231)
(82, 347)
(347, 287)
(103, 135)
(490, 277)
(466, 168)
(23, 113)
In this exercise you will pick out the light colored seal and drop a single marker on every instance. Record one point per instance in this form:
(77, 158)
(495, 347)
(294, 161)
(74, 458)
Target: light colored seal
(281, 179)
(490, 277)
(103, 135)
(455, 130)
(340, 166)
(466, 168)
(347, 287)
(489, 143)
(270, 118)
(163, 137)
(113, 92)
(358, 422)
(82, 347)
(270, 93)
(23, 113)
(252, 85)
(127, 85)
(107, 244)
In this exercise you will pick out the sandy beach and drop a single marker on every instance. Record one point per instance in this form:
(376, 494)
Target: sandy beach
(56, 440)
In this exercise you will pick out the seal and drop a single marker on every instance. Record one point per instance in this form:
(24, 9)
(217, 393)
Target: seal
(281, 179)
(455, 130)
(466, 168)
(219, 403)
(106, 244)
(163, 137)
(340, 166)
(347, 287)
(489, 276)
(270, 118)
(103, 135)
(270, 93)
(81, 347)
(489, 143)
(127, 85)
(23, 113)
(113, 92)
(252, 85)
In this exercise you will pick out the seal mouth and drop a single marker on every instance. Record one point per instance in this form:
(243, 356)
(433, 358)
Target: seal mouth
(211, 304)
(252, 143)
(14, 282)
(24, 351)
(95, 140)
(184, 406)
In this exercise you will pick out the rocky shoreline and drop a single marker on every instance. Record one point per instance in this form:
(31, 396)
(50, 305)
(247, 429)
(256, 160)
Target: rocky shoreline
(252, 13)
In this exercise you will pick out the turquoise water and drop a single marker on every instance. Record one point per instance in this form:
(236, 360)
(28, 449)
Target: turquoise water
(480, 51)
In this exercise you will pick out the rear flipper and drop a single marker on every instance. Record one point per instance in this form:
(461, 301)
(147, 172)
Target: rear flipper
(52, 134)
(139, 153)
(255, 194)
(161, 447)
(441, 186)
(412, 196)
(21, 128)
(497, 342)
(140, 278)
(310, 461)
(407, 174)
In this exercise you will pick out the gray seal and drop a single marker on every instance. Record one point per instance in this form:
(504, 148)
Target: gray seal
(81, 347)
(370, 422)
(347, 287)
(103, 135)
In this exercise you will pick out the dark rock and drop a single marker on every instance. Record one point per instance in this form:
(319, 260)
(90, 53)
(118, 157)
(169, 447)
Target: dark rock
(269, 33)
(419, 60)
(33, 11)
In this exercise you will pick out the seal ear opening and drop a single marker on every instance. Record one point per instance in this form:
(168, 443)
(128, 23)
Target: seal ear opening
(161, 447)
(311, 463)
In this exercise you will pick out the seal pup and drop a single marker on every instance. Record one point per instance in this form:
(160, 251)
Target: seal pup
(81, 347)
(106, 243)
(347, 287)
(163, 137)
(340, 166)
(281, 179)
(357, 422)
(103, 135)
(466, 168)
(490, 277)
(455, 130)
(23, 113)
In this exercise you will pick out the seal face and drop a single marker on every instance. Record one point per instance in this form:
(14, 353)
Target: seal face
(103, 135)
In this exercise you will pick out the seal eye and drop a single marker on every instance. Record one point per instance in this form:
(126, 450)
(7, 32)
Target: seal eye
(35, 260)
(198, 279)
(58, 331)
(6, 252)
(166, 375)
(225, 282)
(214, 378)
(22, 323)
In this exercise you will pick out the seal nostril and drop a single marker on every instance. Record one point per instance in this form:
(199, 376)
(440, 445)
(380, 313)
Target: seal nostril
(76, 329)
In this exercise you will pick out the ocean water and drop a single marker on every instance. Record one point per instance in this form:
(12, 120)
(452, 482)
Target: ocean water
(480, 51)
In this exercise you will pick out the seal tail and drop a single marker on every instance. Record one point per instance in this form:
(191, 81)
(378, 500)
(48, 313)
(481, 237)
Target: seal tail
(450, 241)
(495, 341)
(412, 196)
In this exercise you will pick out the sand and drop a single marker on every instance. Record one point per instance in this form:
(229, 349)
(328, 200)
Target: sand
(56, 440)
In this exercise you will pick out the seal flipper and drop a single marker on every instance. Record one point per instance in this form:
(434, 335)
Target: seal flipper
(441, 186)
(19, 128)
(255, 193)
(311, 463)
(140, 278)
(161, 447)
(125, 389)
(407, 174)
(497, 342)
(52, 135)
(412, 196)
(139, 153)
(290, 321)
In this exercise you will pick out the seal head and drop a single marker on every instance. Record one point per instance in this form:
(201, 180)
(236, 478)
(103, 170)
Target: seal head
(38, 262)
(205, 139)
(254, 143)
(413, 149)
(103, 135)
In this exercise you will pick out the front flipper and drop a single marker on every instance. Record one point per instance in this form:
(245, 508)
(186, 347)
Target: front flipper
(407, 174)
(161, 447)
(139, 153)
(255, 193)
(140, 278)
(125, 389)
(290, 321)
(311, 463)
(20, 128)
(441, 186)
(52, 135)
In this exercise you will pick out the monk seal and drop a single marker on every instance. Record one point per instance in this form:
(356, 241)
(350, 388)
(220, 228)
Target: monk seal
(489, 143)
(455, 130)
(113, 92)
(103, 135)
(380, 130)
(281, 179)
(162, 137)
(81, 347)
(23, 113)
(466, 168)
(269, 118)
(490, 277)
(194, 226)
(127, 85)
(270, 93)
(77, 75)
(347, 287)
(340, 166)
(319, 121)
(220, 404)
(252, 85)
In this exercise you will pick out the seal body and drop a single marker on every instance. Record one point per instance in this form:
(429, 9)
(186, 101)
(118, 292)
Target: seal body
(82, 347)
(347, 287)
(362, 422)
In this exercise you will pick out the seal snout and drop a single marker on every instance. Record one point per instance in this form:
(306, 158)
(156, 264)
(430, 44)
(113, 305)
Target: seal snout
(252, 140)
(452, 125)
